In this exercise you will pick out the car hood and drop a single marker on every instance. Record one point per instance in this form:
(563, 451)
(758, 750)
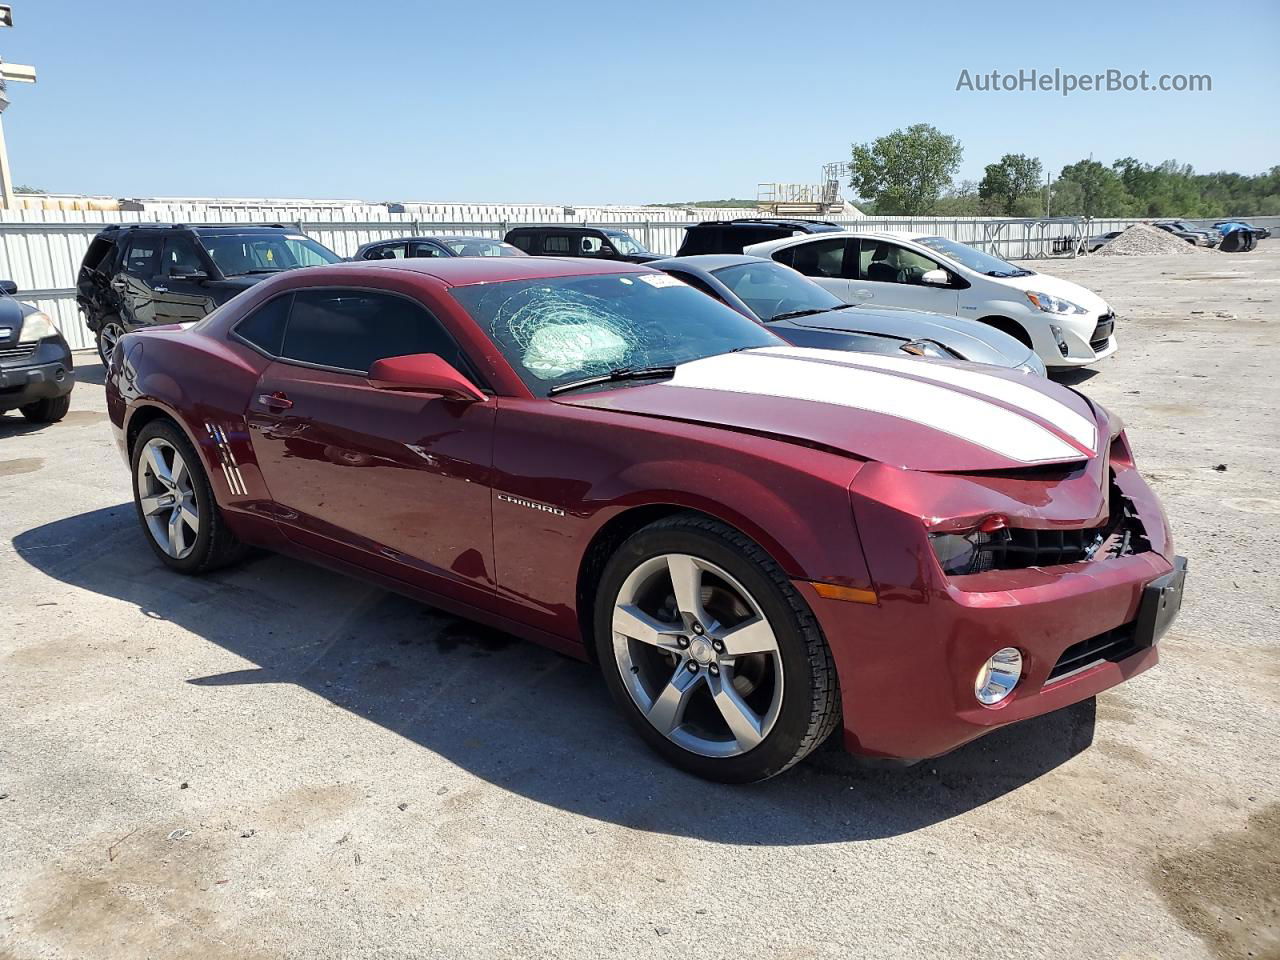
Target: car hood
(909, 413)
(1043, 283)
(974, 341)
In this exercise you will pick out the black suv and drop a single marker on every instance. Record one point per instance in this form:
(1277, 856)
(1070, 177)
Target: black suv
(136, 275)
(734, 236)
(570, 240)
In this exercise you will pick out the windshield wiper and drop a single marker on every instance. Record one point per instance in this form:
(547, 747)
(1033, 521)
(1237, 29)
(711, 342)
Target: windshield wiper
(613, 376)
(792, 314)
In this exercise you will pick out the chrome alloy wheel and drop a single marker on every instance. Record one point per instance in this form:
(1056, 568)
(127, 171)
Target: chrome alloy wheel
(107, 337)
(697, 655)
(167, 498)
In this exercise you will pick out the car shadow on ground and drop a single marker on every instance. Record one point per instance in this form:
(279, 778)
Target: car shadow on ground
(513, 713)
(1073, 376)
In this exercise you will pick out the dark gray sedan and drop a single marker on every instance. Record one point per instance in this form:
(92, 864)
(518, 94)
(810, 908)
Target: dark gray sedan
(803, 313)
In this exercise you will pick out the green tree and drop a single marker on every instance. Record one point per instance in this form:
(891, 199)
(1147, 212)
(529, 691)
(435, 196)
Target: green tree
(959, 201)
(1089, 189)
(907, 170)
(1006, 183)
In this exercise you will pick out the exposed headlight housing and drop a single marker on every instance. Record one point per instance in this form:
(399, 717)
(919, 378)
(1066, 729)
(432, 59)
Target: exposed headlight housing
(37, 326)
(998, 676)
(927, 348)
(969, 551)
(1051, 304)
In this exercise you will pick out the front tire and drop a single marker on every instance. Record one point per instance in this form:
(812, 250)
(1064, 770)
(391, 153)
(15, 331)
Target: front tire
(710, 652)
(50, 410)
(175, 503)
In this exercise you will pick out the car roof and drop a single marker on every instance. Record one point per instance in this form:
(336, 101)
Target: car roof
(202, 227)
(463, 271)
(708, 261)
(429, 237)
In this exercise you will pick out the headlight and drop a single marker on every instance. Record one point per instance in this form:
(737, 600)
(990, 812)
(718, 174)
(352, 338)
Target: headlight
(927, 348)
(1051, 304)
(37, 326)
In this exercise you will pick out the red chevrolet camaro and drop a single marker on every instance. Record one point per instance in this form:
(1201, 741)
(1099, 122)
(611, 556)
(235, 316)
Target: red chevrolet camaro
(758, 543)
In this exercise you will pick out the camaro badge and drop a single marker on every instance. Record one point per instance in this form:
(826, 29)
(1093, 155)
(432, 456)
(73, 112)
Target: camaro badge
(531, 504)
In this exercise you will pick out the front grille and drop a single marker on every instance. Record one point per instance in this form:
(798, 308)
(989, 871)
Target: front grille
(21, 352)
(1103, 331)
(1114, 645)
(1016, 548)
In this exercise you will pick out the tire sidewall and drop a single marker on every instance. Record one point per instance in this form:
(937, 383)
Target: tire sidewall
(171, 434)
(780, 747)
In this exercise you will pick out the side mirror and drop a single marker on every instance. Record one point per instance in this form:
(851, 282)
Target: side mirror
(187, 273)
(936, 278)
(9, 287)
(423, 373)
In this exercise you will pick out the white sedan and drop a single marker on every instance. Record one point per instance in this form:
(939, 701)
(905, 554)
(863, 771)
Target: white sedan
(1067, 325)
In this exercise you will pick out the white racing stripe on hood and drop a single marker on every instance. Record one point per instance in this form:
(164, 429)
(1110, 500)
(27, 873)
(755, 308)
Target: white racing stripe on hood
(769, 373)
(1081, 428)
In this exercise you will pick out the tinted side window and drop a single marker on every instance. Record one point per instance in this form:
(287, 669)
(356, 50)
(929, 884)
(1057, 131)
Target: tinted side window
(819, 258)
(389, 251)
(264, 328)
(426, 250)
(181, 255)
(558, 243)
(350, 329)
(143, 258)
(98, 253)
(521, 241)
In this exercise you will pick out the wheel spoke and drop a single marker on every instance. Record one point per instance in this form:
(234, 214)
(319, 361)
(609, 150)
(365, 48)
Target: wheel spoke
(667, 711)
(755, 636)
(686, 581)
(190, 517)
(740, 718)
(159, 469)
(630, 621)
(153, 504)
(175, 533)
(179, 471)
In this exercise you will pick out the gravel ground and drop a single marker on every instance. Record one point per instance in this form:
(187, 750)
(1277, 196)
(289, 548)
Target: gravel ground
(1141, 240)
(279, 762)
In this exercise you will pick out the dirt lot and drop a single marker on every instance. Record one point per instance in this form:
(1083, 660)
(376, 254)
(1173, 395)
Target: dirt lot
(277, 762)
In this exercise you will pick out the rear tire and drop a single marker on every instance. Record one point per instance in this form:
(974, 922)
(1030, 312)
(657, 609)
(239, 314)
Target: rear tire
(108, 334)
(169, 479)
(728, 677)
(47, 411)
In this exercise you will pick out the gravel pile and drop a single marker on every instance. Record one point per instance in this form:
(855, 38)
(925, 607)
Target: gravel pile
(1141, 240)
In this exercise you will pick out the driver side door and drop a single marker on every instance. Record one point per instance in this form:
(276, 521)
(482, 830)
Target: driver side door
(395, 481)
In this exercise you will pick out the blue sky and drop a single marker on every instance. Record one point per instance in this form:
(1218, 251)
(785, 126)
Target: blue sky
(571, 102)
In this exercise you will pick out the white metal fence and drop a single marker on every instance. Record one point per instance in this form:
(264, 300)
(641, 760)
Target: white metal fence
(41, 250)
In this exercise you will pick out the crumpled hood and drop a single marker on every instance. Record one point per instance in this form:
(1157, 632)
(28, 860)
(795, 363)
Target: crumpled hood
(1043, 283)
(908, 412)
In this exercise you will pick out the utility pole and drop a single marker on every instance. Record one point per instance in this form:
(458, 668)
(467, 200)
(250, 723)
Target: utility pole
(9, 73)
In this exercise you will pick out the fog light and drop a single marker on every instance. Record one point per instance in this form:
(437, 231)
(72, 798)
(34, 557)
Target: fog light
(1057, 336)
(998, 676)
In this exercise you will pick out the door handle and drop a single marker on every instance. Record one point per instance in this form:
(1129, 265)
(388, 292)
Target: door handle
(118, 285)
(862, 294)
(160, 289)
(275, 401)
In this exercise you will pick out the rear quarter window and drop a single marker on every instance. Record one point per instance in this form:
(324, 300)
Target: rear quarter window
(99, 251)
(264, 327)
